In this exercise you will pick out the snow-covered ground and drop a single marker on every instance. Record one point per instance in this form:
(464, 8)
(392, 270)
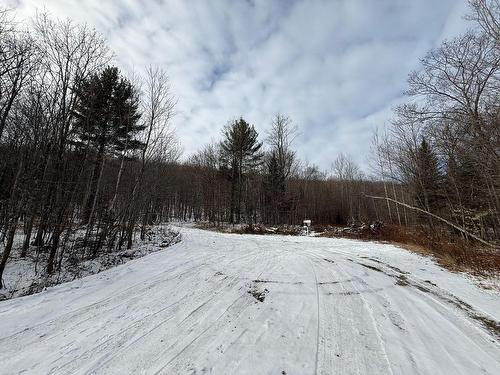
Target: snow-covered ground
(23, 276)
(241, 304)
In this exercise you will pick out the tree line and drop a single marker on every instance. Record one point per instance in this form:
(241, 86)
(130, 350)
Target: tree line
(242, 179)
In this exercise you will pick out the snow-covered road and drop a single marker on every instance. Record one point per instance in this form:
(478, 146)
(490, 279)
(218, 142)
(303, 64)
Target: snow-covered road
(331, 306)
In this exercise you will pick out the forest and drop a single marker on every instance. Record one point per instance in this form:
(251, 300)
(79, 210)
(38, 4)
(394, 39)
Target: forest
(89, 158)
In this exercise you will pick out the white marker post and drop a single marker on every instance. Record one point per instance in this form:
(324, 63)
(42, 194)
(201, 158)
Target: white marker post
(307, 224)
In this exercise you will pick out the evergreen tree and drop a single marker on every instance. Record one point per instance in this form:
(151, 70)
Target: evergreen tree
(427, 178)
(106, 122)
(274, 189)
(241, 155)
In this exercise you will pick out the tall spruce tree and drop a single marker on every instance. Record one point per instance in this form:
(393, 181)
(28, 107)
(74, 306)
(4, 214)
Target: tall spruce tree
(107, 122)
(241, 154)
(427, 178)
(274, 190)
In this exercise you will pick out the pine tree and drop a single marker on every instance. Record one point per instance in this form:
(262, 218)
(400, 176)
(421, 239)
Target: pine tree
(107, 118)
(274, 189)
(241, 155)
(427, 178)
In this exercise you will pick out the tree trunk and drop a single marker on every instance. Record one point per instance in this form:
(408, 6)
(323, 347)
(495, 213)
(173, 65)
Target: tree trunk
(8, 247)
(56, 235)
(27, 238)
(91, 197)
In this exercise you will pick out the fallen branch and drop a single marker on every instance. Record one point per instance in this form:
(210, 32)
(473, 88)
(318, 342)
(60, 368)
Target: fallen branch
(479, 239)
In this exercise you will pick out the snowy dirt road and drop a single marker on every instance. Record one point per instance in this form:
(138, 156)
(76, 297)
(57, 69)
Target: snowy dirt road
(238, 304)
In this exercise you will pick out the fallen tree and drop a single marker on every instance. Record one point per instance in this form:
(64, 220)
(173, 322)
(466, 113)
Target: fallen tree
(462, 230)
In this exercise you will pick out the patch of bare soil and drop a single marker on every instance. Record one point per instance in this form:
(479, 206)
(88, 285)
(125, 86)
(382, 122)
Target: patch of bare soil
(257, 293)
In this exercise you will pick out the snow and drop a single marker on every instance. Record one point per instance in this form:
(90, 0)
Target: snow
(245, 304)
(23, 276)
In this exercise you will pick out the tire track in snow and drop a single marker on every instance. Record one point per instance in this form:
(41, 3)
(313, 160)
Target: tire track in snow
(99, 303)
(139, 324)
(346, 300)
(469, 330)
(156, 282)
(461, 328)
(372, 318)
(98, 308)
(448, 300)
(222, 320)
(201, 333)
(318, 317)
(191, 316)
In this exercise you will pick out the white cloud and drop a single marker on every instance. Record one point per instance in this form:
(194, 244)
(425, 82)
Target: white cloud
(336, 67)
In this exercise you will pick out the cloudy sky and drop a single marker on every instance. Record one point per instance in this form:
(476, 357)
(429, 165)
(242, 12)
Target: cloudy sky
(335, 67)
